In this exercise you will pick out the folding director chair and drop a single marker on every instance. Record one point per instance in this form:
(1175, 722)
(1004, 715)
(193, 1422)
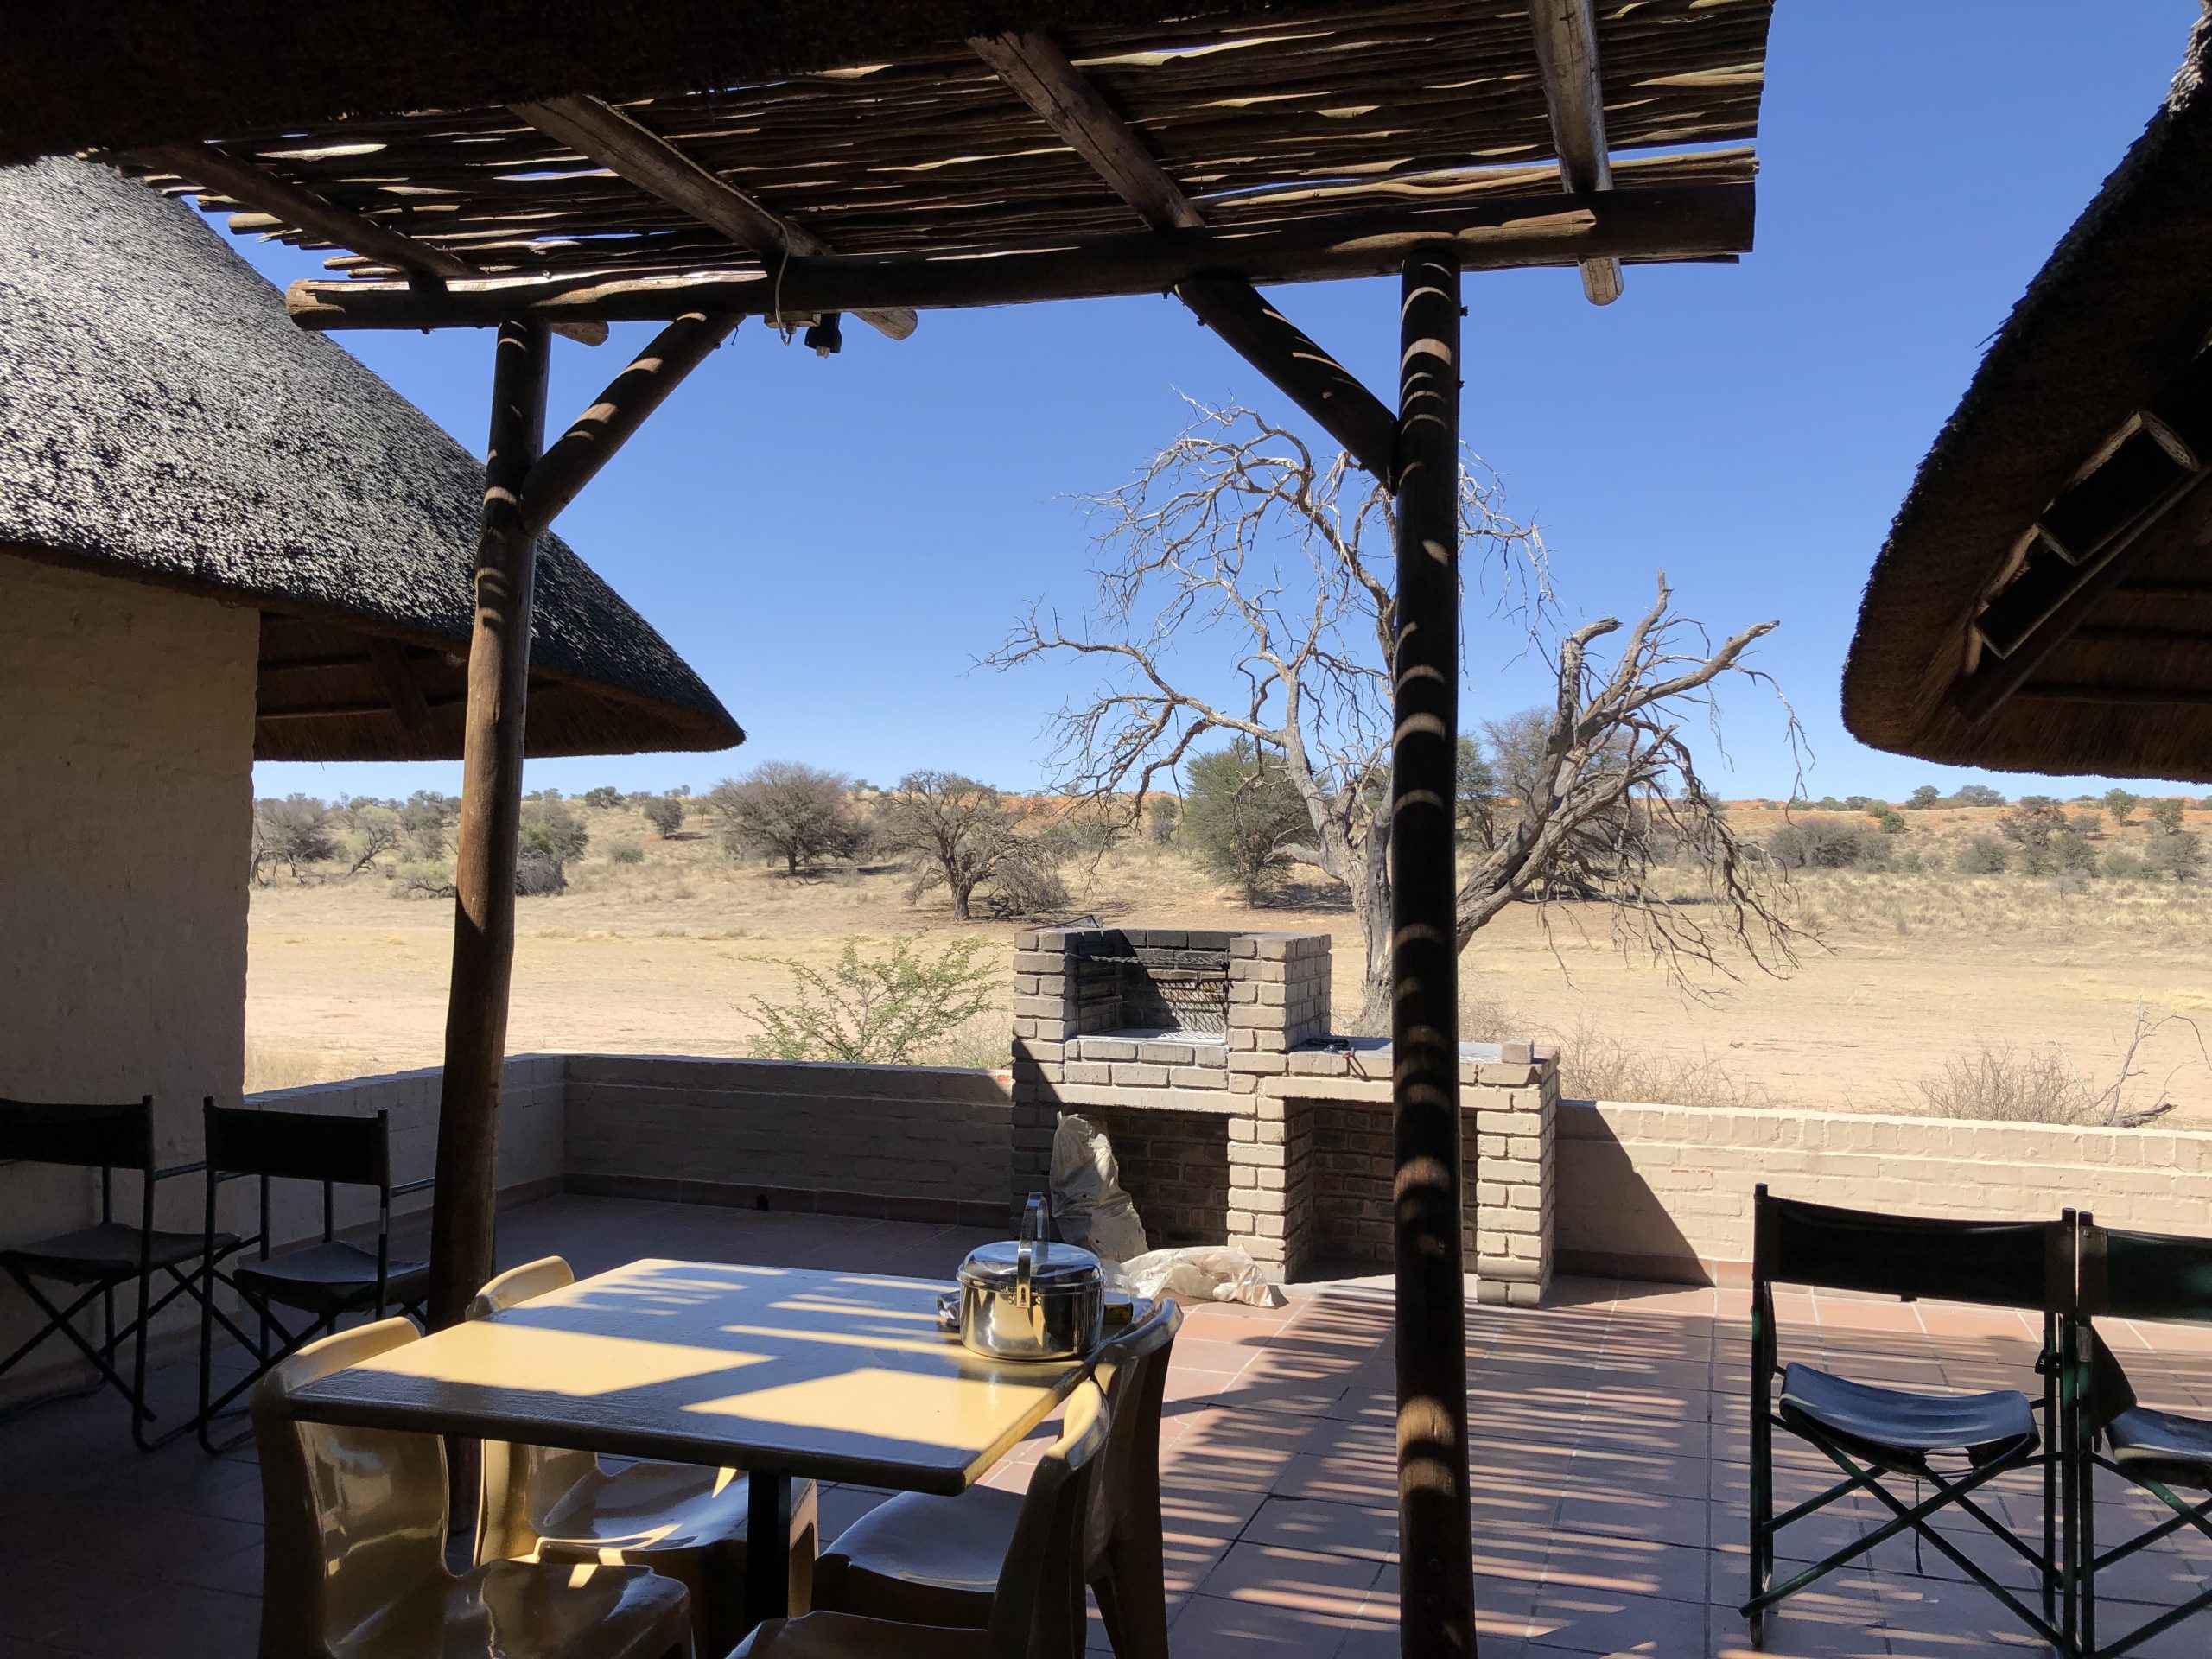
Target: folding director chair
(2137, 1277)
(316, 1286)
(94, 1262)
(1870, 1431)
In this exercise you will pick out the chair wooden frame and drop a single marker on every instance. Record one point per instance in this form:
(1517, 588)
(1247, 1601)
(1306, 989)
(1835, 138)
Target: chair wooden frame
(107, 1137)
(2127, 1275)
(268, 1144)
(2006, 1264)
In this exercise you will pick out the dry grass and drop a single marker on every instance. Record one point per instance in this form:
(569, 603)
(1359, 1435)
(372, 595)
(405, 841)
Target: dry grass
(270, 1066)
(663, 955)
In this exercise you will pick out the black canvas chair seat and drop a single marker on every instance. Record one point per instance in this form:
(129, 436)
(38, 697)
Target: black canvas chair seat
(1875, 1434)
(2145, 1276)
(1898, 1429)
(2162, 1445)
(107, 1253)
(86, 1269)
(290, 1299)
(333, 1278)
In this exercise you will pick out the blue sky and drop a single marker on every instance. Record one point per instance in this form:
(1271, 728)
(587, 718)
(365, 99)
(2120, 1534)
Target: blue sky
(832, 542)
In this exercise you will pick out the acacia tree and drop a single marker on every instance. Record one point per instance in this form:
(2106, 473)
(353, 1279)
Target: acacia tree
(1235, 540)
(953, 832)
(800, 814)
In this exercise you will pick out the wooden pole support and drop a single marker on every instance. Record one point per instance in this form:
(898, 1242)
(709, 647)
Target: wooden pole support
(1434, 1530)
(594, 436)
(491, 817)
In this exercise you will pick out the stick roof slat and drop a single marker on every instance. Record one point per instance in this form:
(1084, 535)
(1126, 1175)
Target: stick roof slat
(1256, 111)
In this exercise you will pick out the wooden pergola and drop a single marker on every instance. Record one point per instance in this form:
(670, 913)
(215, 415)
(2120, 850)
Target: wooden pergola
(536, 172)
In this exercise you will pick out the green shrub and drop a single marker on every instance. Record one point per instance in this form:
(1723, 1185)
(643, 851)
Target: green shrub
(665, 814)
(1825, 843)
(1985, 856)
(549, 827)
(2071, 853)
(1891, 821)
(2167, 815)
(1240, 811)
(625, 852)
(2179, 855)
(2124, 866)
(878, 1009)
(605, 797)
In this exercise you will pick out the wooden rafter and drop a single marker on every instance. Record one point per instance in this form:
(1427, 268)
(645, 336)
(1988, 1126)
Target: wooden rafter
(1253, 328)
(576, 458)
(396, 679)
(2183, 519)
(1041, 74)
(1566, 53)
(1667, 222)
(216, 170)
(630, 150)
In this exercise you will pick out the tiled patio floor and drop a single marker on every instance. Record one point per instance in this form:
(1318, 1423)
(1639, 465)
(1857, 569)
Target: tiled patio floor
(1609, 1465)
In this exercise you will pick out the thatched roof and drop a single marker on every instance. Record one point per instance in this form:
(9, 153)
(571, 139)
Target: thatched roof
(184, 432)
(2045, 601)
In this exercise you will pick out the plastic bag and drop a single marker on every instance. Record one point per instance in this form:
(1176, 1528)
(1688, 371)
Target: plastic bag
(1089, 1201)
(1218, 1273)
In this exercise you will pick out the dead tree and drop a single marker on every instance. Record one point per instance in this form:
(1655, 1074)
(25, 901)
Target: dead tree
(1236, 560)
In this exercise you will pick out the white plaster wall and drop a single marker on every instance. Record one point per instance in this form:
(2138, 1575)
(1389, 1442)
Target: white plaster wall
(126, 782)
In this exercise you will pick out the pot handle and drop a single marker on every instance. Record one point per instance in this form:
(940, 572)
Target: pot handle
(1034, 1223)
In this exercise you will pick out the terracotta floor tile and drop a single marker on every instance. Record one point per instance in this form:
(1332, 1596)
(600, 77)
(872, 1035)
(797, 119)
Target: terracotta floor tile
(1294, 1580)
(1209, 1625)
(1609, 1443)
(1368, 1531)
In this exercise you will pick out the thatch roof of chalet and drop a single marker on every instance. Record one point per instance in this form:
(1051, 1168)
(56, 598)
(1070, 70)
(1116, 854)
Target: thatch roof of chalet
(2045, 599)
(183, 432)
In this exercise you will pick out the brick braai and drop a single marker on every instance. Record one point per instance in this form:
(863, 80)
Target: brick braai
(1207, 1059)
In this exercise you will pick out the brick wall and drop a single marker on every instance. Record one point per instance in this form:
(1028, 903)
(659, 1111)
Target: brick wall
(1665, 1191)
(1175, 1165)
(919, 1143)
(1508, 1097)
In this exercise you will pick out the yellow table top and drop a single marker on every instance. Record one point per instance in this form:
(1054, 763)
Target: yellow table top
(826, 1375)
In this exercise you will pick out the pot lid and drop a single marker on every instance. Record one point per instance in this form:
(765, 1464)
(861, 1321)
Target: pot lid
(998, 1265)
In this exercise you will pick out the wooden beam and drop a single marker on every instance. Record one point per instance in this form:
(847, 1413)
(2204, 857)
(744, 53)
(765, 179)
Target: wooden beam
(631, 151)
(395, 678)
(593, 438)
(1436, 1596)
(208, 168)
(491, 818)
(1308, 376)
(1679, 222)
(2183, 521)
(1062, 97)
(1040, 75)
(1567, 54)
(2132, 697)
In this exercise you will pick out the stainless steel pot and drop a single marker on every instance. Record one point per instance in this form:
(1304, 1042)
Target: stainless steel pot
(1029, 1298)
